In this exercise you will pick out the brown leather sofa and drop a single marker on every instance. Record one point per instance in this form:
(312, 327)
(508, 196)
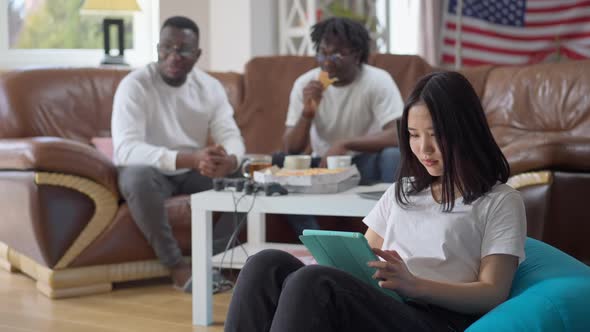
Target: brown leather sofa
(63, 222)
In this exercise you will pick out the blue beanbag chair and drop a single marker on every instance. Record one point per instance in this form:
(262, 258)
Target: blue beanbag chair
(550, 292)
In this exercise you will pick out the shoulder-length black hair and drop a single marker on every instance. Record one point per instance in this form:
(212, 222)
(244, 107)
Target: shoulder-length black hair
(473, 162)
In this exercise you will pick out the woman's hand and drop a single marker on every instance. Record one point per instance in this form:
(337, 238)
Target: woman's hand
(393, 273)
(476, 297)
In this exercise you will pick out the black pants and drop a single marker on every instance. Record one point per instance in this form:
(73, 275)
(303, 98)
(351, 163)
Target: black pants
(276, 292)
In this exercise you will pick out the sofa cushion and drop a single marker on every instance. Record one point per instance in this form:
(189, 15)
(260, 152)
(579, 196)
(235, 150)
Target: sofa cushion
(539, 115)
(233, 83)
(267, 85)
(72, 103)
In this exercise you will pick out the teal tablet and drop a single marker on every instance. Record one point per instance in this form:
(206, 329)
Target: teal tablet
(347, 251)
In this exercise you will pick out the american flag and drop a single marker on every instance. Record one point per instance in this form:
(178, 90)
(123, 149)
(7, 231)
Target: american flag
(517, 31)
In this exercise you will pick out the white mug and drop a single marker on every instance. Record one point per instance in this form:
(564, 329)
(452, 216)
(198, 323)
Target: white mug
(339, 161)
(297, 162)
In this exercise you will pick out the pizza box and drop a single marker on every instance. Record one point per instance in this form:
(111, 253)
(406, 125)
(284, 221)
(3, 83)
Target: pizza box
(312, 180)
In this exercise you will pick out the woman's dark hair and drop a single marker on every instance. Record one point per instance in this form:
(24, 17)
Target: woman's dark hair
(347, 30)
(181, 22)
(473, 162)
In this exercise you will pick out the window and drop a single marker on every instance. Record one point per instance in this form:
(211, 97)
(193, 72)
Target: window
(404, 26)
(404, 20)
(53, 32)
(56, 24)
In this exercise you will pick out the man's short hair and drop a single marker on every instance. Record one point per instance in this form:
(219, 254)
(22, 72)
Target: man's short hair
(181, 22)
(347, 30)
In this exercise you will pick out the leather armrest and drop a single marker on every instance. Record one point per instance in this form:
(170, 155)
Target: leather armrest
(525, 156)
(54, 154)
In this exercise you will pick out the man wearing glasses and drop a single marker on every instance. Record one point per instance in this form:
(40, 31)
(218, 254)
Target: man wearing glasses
(355, 115)
(162, 116)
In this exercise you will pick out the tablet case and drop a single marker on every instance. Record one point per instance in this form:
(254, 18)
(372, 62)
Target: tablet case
(347, 251)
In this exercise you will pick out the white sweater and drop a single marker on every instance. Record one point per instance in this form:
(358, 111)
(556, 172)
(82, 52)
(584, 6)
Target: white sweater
(152, 121)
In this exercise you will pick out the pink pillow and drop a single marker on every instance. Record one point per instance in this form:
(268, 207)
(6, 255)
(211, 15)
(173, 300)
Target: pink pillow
(104, 145)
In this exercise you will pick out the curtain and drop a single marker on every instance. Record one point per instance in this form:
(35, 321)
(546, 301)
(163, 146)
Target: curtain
(429, 30)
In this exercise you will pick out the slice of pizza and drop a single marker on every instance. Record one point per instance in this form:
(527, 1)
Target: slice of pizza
(325, 79)
(308, 172)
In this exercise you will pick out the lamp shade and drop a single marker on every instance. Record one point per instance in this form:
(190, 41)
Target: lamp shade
(109, 6)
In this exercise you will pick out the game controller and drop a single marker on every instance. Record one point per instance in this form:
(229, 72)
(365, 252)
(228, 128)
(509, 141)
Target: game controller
(248, 186)
(223, 183)
(269, 189)
(274, 188)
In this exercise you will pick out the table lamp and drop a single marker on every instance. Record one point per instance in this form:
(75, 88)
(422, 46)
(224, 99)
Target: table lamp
(111, 8)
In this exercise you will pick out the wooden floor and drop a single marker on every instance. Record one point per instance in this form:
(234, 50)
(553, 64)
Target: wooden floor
(139, 306)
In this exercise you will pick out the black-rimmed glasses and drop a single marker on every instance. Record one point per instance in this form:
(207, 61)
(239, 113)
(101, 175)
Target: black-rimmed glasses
(184, 52)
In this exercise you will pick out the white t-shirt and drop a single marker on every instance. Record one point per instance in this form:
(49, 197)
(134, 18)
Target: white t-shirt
(449, 246)
(152, 121)
(357, 109)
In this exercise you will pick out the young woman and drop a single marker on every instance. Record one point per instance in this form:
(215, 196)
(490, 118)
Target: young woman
(450, 232)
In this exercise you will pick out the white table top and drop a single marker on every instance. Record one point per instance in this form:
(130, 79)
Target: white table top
(346, 203)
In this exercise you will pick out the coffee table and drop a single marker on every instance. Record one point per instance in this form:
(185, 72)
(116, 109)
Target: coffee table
(203, 204)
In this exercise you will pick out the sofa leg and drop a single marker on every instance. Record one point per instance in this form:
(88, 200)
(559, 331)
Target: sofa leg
(4, 259)
(79, 281)
(5, 265)
(57, 293)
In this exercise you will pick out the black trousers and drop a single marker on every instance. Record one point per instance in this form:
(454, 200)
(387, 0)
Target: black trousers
(276, 292)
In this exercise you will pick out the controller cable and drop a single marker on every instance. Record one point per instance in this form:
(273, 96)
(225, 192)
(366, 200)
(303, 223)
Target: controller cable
(233, 242)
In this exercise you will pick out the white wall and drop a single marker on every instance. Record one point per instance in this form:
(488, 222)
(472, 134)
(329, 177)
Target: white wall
(241, 30)
(230, 34)
(265, 27)
(232, 31)
(198, 11)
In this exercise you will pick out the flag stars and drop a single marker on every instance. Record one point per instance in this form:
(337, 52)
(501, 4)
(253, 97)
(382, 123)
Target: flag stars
(504, 12)
(485, 20)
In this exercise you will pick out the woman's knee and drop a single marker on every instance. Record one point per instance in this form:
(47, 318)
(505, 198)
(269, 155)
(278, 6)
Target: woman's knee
(312, 277)
(271, 260)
